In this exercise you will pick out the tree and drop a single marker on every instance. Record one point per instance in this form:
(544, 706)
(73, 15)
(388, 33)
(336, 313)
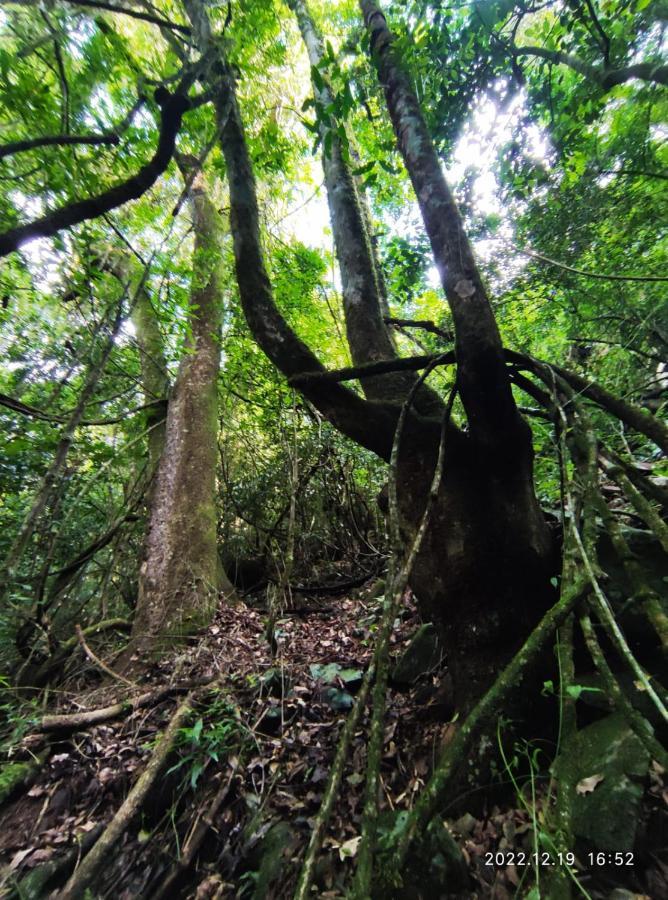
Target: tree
(181, 575)
(489, 555)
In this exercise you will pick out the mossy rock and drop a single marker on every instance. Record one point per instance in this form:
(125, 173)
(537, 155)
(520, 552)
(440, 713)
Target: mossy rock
(604, 766)
(421, 656)
(270, 856)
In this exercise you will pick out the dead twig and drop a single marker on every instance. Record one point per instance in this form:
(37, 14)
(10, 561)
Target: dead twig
(100, 663)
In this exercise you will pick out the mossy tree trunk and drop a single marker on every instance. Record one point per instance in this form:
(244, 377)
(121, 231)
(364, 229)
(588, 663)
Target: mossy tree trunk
(181, 576)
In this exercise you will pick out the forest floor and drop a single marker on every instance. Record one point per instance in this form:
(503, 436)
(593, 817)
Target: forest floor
(265, 729)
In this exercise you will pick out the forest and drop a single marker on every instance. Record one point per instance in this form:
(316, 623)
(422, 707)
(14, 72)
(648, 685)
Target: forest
(333, 449)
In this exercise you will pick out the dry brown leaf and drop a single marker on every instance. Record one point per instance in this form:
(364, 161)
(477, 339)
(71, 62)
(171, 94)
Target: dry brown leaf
(587, 785)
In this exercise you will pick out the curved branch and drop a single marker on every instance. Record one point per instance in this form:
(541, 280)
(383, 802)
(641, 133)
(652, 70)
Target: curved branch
(655, 73)
(172, 108)
(484, 387)
(369, 423)
(110, 136)
(631, 415)
(121, 10)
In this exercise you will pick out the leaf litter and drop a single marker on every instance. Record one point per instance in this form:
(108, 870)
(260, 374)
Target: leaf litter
(285, 713)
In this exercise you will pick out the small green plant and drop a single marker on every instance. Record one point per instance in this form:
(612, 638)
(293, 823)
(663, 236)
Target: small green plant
(211, 737)
(18, 717)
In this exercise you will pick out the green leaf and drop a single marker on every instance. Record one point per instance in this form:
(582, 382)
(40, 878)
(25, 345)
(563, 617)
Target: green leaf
(318, 80)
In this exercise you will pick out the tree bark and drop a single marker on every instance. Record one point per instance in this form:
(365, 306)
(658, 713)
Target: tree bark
(487, 557)
(366, 332)
(483, 380)
(181, 576)
(370, 424)
(154, 377)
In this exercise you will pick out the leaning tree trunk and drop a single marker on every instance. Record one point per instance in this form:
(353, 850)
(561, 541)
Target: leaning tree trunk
(483, 574)
(181, 576)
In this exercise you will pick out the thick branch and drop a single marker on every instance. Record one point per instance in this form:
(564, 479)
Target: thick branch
(631, 415)
(370, 424)
(172, 107)
(97, 857)
(351, 373)
(367, 333)
(66, 722)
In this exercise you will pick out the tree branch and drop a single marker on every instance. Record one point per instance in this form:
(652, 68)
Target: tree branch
(655, 73)
(424, 324)
(350, 373)
(172, 108)
(57, 140)
(605, 276)
(121, 10)
(111, 136)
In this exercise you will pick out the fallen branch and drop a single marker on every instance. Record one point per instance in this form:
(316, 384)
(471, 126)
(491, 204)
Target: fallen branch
(99, 855)
(643, 507)
(78, 720)
(638, 723)
(641, 590)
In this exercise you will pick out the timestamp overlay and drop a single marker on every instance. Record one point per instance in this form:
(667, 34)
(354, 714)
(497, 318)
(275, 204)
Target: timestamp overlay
(503, 858)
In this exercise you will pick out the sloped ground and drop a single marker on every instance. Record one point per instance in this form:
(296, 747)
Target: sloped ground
(265, 731)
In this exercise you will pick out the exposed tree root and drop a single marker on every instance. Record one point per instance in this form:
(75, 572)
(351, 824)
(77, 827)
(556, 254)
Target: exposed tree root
(96, 858)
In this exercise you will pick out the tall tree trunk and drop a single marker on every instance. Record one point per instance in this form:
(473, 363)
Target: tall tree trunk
(484, 571)
(370, 424)
(483, 381)
(367, 334)
(181, 576)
